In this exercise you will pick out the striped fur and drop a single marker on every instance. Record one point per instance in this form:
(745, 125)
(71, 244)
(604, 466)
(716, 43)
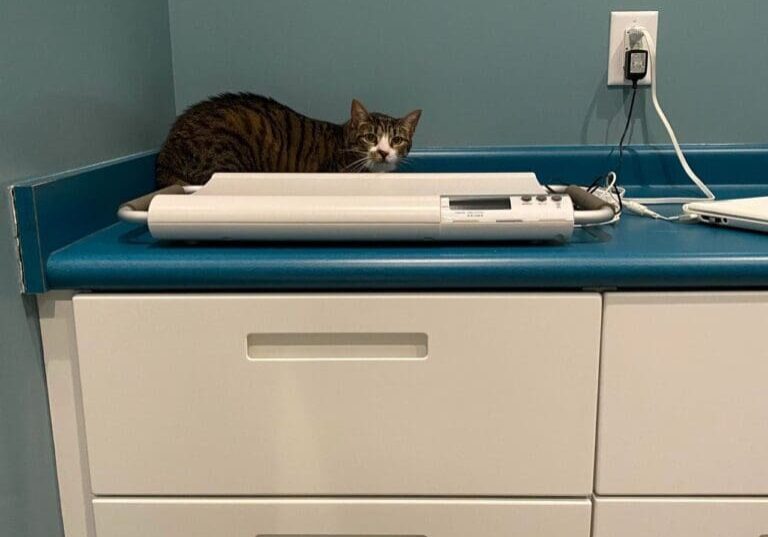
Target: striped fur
(243, 132)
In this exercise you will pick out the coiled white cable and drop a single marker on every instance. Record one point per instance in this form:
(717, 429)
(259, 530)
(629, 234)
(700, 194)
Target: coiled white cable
(636, 204)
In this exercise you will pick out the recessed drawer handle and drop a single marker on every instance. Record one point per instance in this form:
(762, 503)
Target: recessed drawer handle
(339, 346)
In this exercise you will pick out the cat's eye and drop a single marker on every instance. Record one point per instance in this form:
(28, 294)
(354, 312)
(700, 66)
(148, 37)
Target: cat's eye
(397, 140)
(370, 138)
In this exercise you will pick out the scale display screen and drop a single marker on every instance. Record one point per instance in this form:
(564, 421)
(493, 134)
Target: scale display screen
(480, 204)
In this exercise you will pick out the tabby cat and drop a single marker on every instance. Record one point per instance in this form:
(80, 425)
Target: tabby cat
(243, 132)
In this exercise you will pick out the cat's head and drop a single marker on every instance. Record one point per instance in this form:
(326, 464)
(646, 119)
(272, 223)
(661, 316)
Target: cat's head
(376, 141)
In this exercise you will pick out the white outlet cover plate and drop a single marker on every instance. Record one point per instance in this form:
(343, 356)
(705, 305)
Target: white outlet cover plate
(620, 21)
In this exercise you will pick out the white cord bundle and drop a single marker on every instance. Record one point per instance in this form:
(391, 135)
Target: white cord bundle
(637, 205)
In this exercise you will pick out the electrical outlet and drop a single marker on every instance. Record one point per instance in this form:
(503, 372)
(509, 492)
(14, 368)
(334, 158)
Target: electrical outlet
(617, 46)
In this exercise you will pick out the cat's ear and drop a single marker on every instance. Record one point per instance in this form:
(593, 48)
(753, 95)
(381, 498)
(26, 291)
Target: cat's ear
(411, 120)
(359, 113)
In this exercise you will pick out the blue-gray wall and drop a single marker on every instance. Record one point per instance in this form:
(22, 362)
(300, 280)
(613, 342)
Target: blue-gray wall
(494, 72)
(80, 81)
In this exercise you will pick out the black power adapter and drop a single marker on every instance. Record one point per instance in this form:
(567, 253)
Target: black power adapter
(635, 65)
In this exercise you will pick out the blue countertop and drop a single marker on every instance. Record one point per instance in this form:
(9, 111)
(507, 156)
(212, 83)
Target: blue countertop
(635, 253)
(68, 238)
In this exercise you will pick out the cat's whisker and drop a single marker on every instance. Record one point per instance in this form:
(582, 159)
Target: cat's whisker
(356, 165)
(361, 159)
(361, 166)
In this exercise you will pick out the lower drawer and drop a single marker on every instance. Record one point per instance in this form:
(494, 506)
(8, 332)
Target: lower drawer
(681, 517)
(335, 518)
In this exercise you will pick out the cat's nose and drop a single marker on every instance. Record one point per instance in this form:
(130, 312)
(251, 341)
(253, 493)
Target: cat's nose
(383, 154)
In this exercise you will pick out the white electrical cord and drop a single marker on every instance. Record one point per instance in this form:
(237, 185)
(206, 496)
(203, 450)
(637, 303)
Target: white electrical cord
(606, 193)
(636, 205)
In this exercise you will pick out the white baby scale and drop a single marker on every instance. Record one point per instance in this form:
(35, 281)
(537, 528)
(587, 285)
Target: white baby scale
(364, 207)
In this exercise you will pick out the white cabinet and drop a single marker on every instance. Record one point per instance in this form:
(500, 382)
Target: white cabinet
(336, 518)
(683, 517)
(414, 415)
(387, 394)
(684, 395)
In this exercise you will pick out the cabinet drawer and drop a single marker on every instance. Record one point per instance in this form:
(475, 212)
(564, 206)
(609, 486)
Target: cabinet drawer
(684, 395)
(337, 518)
(339, 394)
(681, 517)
